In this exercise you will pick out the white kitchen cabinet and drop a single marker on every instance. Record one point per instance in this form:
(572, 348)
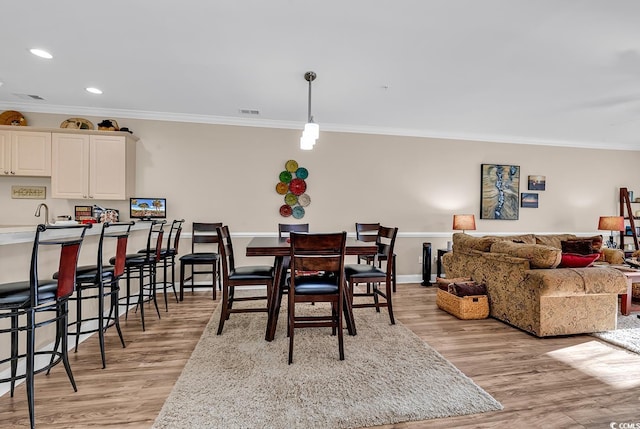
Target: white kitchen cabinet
(25, 153)
(85, 166)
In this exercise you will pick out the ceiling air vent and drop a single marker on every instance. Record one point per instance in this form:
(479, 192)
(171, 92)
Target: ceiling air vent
(250, 111)
(28, 97)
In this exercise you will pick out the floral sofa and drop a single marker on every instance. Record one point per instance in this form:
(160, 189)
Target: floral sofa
(527, 289)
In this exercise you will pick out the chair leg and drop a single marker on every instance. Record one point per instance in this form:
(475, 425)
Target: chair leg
(340, 330)
(224, 313)
(173, 277)
(141, 298)
(181, 281)
(292, 317)
(153, 287)
(126, 310)
(213, 280)
(115, 294)
(375, 297)
(30, 365)
(78, 323)
(64, 311)
(14, 349)
(164, 284)
(101, 327)
(389, 304)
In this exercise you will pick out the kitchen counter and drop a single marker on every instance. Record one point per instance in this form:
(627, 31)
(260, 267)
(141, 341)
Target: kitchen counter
(14, 234)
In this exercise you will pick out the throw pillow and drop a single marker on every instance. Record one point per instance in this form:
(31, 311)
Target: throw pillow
(581, 247)
(467, 289)
(574, 260)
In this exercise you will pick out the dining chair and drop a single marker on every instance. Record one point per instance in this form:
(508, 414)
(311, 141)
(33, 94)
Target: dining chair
(142, 266)
(373, 274)
(204, 258)
(100, 282)
(368, 232)
(284, 231)
(168, 259)
(322, 253)
(41, 302)
(232, 277)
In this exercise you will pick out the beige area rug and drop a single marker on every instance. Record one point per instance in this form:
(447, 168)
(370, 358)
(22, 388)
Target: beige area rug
(626, 336)
(389, 375)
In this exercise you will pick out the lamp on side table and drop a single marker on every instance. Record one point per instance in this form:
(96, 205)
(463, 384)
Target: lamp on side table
(611, 223)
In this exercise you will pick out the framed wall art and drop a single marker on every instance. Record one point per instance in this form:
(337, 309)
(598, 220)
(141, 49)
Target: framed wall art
(500, 191)
(537, 183)
(529, 200)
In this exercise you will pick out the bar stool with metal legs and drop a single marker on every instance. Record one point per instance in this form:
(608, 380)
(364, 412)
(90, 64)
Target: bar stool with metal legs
(168, 259)
(41, 297)
(99, 282)
(142, 266)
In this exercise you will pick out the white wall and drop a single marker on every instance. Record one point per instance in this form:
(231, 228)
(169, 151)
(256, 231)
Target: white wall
(227, 173)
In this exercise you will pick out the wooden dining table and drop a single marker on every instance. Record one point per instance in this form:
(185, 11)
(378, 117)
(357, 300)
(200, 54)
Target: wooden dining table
(279, 248)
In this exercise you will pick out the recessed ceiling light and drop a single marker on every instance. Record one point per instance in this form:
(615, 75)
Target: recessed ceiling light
(93, 90)
(41, 53)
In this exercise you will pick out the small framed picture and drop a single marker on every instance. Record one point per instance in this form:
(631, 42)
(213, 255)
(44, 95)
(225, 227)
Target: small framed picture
(537, 183)
(529, 200)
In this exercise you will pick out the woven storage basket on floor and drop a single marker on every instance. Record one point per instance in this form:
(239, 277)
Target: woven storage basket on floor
(466, 307)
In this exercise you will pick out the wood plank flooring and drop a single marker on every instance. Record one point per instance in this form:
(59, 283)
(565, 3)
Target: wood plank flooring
(567, 382)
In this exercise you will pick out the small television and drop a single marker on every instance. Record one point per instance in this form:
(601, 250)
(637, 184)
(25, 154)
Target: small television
(147, 208)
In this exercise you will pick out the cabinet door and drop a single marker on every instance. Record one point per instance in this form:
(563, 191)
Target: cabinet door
(70, 166)
(31, 153)
(107, 167)
(5, 153)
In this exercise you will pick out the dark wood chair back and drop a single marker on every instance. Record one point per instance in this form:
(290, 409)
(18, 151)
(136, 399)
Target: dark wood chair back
(284, 229)
(204, 233)
(367, 231)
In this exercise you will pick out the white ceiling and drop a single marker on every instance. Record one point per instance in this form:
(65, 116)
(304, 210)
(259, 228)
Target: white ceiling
(529, 71)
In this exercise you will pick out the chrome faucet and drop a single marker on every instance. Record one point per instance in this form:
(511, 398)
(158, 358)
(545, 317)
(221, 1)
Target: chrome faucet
(46, 212)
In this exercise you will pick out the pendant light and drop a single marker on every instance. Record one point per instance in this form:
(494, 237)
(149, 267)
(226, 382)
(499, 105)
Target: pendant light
(311, 129)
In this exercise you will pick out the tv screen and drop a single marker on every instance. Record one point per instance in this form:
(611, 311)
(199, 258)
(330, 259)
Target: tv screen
(148, 208)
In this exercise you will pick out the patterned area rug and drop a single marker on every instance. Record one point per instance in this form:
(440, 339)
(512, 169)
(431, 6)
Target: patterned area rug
(389, 375)
(627, 335)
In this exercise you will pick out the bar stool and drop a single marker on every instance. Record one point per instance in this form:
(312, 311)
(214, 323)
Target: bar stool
(203, 241)
(39, 297)
(168, 259)
(142, 266)
(99, 282)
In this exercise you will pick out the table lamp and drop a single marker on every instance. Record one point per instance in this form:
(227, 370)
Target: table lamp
(464, 222)
(611, 223)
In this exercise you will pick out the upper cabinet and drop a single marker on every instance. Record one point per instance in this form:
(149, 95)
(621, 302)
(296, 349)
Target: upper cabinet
(25, 153)
(86, 166)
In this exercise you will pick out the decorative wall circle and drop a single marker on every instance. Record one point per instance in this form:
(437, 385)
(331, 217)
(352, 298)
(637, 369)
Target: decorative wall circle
(291, 199)
(297, 186)
(285, 177)
(282, 188)
(304, 200)
(302, 173)
(293, 186)
(291, 166)
(285, 210)
(298, 212)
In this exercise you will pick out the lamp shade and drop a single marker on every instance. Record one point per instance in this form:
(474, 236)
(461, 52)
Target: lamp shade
(611, 223)
(464, 222)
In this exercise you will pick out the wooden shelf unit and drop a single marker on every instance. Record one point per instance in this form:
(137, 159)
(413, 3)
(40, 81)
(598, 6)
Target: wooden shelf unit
(627, 213)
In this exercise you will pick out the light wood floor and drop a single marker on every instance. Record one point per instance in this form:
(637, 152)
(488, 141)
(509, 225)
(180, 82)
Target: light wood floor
(568, 382)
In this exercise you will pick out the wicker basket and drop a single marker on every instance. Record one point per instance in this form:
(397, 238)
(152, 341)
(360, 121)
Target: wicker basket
(466, 308)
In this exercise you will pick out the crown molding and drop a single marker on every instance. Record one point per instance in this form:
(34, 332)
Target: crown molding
(326, 127)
